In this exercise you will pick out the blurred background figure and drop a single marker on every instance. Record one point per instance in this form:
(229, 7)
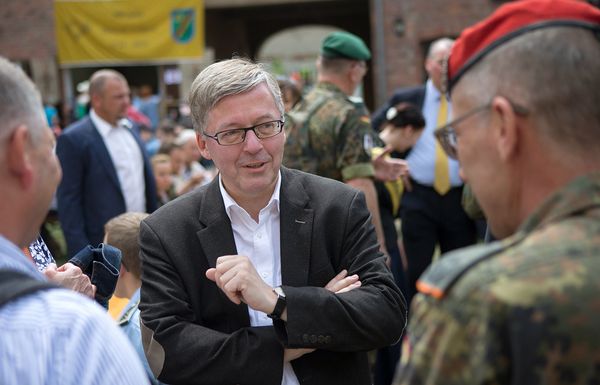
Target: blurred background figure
(431, 211)
(148, 104)
(192, 174)
(122, 233)
(402, 127)
(290, 92)
(165, 190)
(106, 170)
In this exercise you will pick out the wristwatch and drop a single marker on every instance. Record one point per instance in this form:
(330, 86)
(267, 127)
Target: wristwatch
(280, 305)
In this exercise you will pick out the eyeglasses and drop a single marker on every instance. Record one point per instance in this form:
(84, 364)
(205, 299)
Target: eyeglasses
(446, 134)
(238, 135)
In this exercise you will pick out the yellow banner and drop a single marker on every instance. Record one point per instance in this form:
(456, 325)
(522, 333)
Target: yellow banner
(126, 31)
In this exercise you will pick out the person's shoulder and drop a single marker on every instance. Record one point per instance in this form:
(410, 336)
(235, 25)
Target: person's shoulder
(78, 133)
(56, 311)
(79, 126)
(410, 94)
(53, 305)
(522, 260)
(410, 90)
(443, 275)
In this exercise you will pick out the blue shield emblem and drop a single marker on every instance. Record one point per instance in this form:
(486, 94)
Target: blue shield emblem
(183, 24)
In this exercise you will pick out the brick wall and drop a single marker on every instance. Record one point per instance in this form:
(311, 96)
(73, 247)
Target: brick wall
(27, 29)
(423, 21)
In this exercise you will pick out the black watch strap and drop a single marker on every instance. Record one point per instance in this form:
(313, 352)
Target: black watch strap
(279, 305)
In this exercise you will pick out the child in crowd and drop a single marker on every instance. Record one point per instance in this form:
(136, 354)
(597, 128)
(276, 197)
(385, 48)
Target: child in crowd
(122, 233)
(161, 166)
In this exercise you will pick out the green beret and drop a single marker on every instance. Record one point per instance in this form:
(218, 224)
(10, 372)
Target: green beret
(344, 45)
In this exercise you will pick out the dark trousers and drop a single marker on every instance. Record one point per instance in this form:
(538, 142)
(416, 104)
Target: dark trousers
(428, 219)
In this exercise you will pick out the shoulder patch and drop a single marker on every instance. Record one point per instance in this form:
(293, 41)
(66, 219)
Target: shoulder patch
(438, 279)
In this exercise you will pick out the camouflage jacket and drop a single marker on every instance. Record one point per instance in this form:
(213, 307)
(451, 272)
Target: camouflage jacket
(525, 310)
(327, 136)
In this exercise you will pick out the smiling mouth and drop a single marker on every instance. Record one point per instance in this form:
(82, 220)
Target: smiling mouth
(255, 165)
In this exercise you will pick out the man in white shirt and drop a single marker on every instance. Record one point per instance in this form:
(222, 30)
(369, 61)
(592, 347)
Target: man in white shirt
(106, 171)
(238, 274)
(431, 207)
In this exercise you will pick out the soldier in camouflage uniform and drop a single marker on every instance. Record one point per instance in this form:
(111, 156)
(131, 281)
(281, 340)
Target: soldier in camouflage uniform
(525, 85)
(327, 134)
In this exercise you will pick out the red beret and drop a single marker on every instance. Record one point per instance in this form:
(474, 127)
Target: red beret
(512, 20)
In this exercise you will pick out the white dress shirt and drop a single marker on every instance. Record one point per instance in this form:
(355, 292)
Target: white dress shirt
(127, 159)
(421, 159)
(260, 242)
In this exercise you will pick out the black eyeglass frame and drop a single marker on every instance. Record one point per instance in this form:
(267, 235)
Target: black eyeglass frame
(280, 123)
(446, 134)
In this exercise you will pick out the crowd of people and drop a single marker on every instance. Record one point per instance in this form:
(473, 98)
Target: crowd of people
(289, 236)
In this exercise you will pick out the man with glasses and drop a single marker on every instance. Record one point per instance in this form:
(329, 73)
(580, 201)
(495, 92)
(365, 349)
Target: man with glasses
(525, 85)
(431, 209)
(240, 280)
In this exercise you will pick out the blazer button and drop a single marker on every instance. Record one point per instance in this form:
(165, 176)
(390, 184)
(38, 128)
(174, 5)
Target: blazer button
(313, 338)
(305, 338)
(328, 339)
(321, 339)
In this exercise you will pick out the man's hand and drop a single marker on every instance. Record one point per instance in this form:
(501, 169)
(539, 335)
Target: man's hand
(342, 283)
(71, 277)
(389, 169)
(240, 282)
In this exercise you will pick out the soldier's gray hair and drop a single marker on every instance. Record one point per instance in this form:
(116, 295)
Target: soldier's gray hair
(554, 73)
(225, 78)
(20, 103)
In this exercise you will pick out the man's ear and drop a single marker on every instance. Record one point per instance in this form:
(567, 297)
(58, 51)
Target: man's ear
(18, 157)
(506, 132)
(201, 140)
(355, 73)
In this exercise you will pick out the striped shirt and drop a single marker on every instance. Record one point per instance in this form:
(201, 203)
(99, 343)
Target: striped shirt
(60, 337)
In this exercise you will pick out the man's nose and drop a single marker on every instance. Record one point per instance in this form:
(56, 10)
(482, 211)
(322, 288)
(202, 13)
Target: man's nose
(252, 143)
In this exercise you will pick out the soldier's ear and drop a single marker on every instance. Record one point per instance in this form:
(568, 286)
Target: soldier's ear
(505, 132)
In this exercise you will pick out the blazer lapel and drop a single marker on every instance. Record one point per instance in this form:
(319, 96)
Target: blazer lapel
(216, 238)
(296, 223)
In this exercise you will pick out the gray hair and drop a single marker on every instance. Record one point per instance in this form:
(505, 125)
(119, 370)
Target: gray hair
(225, 78)
(99, 78)
(554, 73)
(20, 103)
(438, 45)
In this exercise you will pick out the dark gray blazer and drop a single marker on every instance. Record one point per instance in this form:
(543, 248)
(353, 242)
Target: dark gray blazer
(193, 334)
